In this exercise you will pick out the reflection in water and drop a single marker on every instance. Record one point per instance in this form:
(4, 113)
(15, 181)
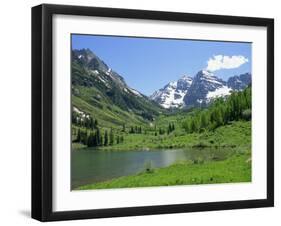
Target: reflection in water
(90, 166)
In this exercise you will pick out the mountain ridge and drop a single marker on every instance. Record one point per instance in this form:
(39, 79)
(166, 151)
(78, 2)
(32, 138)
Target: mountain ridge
(202, 89)
(102, 92)
(88, 70)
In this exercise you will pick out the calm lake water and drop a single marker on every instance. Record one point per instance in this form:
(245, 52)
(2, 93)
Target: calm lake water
(90, 166)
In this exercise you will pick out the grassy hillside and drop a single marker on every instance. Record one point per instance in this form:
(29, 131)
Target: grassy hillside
(102, 93)
(108, 115)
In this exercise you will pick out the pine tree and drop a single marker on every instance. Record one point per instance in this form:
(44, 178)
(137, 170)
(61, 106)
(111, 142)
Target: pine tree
(98, 136)
(96, 123)
(87, 122)
(82, 121)
(84, 137)
(79, 136)
(162, 131)
(194, 125)
(203, 120)
(95, 140)
(101, 140)
(111, 137)
(219, 118)
(186, 125)
(105, 138)
(74, 118)
(92, 125)
(90, 140)
(124, 128)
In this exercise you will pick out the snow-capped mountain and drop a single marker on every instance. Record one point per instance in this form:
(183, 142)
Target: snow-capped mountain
(172, 94)
(90, 71)
(205, 87)
(239, 82)
(198, 91)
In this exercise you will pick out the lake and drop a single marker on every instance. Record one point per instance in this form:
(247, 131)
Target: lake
(91, 166)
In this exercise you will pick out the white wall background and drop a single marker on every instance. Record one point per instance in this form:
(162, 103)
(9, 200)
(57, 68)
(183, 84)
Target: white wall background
(15, 118)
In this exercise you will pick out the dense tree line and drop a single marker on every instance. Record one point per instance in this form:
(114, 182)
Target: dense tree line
(135, 129)
(236, 107)
(161, 131)
(139, 130)
(170, 128)
(95, 138)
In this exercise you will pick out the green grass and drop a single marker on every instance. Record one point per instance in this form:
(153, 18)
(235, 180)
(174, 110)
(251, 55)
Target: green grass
(77, 146)
(234, 169)
(231, 135)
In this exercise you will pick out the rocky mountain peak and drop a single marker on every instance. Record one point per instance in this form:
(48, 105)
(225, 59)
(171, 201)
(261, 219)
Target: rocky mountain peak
(239, 82)
(198, 91)
(172, 94)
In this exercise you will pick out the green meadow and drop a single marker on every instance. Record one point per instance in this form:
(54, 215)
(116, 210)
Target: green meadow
(236, 168)
(122, 138)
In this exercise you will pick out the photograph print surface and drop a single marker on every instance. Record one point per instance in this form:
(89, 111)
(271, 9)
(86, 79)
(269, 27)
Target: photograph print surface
(159, 112)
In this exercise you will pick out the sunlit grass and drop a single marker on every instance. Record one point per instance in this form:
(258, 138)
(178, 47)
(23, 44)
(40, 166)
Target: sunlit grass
(234, 169)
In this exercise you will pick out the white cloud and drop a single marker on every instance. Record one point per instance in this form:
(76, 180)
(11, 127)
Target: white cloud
(225, 62)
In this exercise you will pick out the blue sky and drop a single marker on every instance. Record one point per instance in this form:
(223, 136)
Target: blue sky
(148, 64)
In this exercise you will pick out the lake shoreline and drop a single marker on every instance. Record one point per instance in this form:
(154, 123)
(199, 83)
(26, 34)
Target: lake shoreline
(236, 168)
(199, 146)
(92, 165)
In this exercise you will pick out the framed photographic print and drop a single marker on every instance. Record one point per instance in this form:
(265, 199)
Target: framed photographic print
(145, 112)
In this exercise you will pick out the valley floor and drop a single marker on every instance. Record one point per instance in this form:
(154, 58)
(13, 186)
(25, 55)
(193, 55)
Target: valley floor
(235, 136)
(232, 135)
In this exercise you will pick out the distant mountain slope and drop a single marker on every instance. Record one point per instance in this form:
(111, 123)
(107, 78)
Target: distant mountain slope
(99, 90)
(239, 82)
(171, 95)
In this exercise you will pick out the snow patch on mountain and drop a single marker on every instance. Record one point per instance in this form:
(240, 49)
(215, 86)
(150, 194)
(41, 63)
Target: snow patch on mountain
(172, 94)
(173, 99)
(95, 72)
(135, 92)
(81, 113)
(219, 92)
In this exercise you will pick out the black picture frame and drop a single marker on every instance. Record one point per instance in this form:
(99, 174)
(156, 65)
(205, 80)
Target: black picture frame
(42, 111)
